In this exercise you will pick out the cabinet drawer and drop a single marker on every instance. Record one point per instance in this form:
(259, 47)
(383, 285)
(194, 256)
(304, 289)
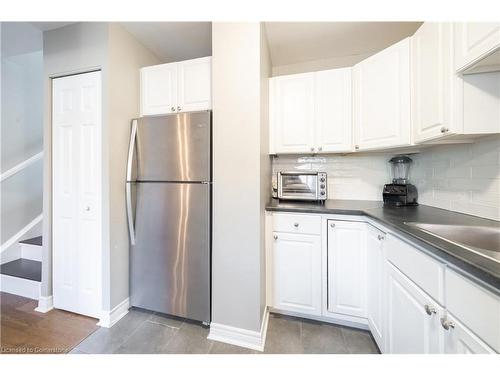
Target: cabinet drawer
(474, 306)
(424, 271)
(290, 223)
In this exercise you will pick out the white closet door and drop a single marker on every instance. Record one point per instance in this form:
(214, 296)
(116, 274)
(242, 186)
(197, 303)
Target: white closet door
(76, 173)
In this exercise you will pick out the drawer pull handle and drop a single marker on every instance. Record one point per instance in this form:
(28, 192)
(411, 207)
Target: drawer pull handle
(447, 324)
(332, 225)
(380, 237)
(275, 236)
(296, 225)
(430, 310)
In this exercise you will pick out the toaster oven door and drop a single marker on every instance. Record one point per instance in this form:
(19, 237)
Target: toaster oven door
(301, 186)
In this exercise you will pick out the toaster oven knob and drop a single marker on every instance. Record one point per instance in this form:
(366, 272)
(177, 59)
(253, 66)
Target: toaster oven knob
(322, 186)
(322, 193)
(322, 179)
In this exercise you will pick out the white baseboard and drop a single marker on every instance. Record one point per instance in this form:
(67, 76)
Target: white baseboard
(109, 318)
(245, 338)
(32, 252)
(340, 319)
(20, 287)
(45, 304)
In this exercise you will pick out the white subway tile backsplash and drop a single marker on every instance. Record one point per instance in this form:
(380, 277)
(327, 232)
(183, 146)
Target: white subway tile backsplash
(460, 177)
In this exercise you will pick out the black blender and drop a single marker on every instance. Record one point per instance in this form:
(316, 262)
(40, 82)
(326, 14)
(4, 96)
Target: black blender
(400, 192)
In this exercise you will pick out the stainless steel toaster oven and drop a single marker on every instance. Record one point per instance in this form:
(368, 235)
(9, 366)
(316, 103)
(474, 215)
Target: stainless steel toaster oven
(310, 186)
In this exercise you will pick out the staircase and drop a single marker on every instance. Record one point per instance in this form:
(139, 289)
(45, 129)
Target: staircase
(23, 276)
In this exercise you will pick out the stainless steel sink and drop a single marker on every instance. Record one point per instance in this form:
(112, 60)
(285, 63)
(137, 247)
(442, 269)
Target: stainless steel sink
(482, 240)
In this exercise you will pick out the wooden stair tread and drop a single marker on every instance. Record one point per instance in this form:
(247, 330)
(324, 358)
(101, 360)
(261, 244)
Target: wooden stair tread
(23, 268)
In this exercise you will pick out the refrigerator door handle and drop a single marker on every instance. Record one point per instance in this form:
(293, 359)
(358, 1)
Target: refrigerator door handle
(130, 214)
(128, 187)
(131, 149)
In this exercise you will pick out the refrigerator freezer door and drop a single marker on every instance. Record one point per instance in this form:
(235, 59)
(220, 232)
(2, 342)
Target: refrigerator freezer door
(170, 261)
(174, 147)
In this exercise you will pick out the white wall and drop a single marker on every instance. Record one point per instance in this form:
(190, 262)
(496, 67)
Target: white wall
(237, 252)
(463, 178)
(126, 56)
(457, 177)
(20, 132)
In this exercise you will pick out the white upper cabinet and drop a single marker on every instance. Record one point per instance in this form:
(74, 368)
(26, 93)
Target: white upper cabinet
(311, 112)
(382, 99)
(433, 81)
(347, 268)
(292, 113)
(159, 89)
(333, 123)
(477, 46)
(177, 87)
(195, 85)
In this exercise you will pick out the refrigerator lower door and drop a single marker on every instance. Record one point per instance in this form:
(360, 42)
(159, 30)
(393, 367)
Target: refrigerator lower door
(170, 261)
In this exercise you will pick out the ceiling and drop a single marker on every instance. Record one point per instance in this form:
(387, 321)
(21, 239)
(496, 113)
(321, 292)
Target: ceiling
(174, 41)
(298, 42)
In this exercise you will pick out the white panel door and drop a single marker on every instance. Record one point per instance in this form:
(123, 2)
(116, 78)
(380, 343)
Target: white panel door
(297, 273)
(194, 84)
(413, 325)
(459, 340)
(76, 160)
(475, 40)
(159, 89)
(433, 77)
(382, 99)
(376, 303)
(292, 119)
(347, 268)
(333, 110)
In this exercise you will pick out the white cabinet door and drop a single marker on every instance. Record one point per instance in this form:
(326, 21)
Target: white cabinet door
(346, 256)
(333, 110)
(159, 89)
(194, 85)
(459, 340)
(76, 199)
(382, 99)
(433, 80)
(410, 328)
(292, 118)
(297, 273)
(376, 302)
(473, 41)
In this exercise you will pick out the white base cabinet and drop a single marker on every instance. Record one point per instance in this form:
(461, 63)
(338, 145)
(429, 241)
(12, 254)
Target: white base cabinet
(413, 325)
(346, 259)
(349, 271)
(375, 287)
(297, 272)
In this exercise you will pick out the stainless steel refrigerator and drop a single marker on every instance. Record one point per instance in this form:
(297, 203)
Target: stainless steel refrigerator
(168, 192)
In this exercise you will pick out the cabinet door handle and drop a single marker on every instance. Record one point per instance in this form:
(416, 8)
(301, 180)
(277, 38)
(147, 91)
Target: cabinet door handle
(275, 236)
(296, 225)
(444, 129)
(173, 109)
(320, 148)
(312, 149)
(332, 225)
(356, 147)
(447, 324)
(179, 108)
(430, 310)
(380, 237)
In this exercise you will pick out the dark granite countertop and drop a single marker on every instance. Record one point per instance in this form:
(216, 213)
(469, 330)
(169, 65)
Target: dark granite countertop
(456, 257)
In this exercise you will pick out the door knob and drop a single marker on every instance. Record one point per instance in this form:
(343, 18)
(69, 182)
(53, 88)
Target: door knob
(447, 324)
(430, 310)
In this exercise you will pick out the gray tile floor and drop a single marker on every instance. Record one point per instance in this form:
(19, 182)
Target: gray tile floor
(141, 332)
